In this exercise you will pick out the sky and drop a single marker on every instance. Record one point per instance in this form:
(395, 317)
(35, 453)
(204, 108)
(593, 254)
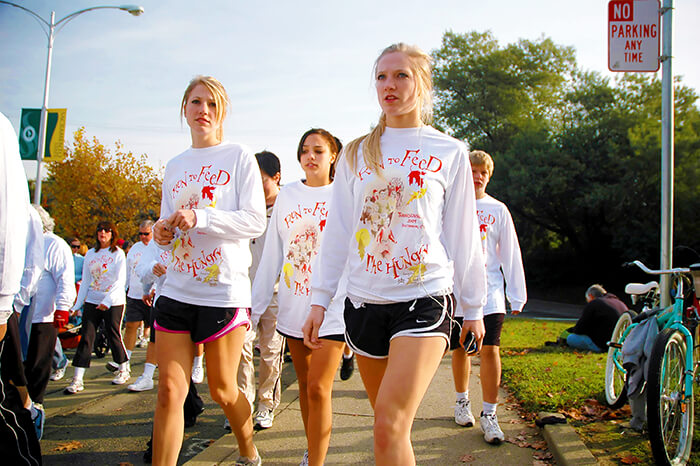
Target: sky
(287, 66)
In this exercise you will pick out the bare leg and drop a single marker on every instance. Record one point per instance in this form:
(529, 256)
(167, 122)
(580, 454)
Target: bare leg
(223, 356)
(130, 334)
(372, 372)
(461, 370)
(151, 352)
(174, 355)
(490, 372)
(320, 368)
(410, 368)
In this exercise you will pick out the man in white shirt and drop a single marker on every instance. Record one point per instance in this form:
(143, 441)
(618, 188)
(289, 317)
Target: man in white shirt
(503, 264)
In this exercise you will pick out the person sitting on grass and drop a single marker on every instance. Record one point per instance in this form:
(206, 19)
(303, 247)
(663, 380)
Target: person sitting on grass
(597, 322)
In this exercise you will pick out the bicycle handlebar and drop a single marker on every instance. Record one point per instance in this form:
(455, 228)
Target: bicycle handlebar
(656, 272)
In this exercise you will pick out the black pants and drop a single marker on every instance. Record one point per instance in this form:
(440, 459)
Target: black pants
(91, 320)
(12, 365)
(18, 442)
(37, 366)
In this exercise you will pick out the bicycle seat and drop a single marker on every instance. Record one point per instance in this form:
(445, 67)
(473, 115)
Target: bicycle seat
(640, 288)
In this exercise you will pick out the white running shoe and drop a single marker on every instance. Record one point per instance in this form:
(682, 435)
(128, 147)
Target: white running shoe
(263, 418)
(197, 374)
(492, 431)
(463, 413)
(142, 384)
(76, 385)
(305, 459)
(227, 425)
(58, 374)
(121, 378)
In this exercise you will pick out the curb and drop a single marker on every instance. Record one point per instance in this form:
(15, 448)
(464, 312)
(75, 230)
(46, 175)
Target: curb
(564, 443)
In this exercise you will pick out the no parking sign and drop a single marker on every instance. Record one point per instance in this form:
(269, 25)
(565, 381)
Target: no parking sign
(634, 35)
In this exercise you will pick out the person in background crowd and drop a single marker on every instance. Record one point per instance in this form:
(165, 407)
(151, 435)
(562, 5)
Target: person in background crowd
(594, 328)
(103, 295)
(270, 341)
(55, 293)
(504, 265)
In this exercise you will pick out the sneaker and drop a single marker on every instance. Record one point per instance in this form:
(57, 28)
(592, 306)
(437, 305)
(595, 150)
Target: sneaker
(463, 413)
(112, 366)
(245, 461)
(75, 386)
(38, 420)
(121, 378)
(141, 343)
(142, 384)
(58, 374)
(492, 432)
(347, 367)
(305, 459)
(197, 374)
(263, 418)
(227, 425)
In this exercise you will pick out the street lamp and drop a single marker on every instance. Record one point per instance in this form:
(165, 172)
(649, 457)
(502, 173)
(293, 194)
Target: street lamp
(51, 29)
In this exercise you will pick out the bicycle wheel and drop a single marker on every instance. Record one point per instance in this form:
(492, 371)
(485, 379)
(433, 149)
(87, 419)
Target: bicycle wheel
(616, 379)
(669, 411)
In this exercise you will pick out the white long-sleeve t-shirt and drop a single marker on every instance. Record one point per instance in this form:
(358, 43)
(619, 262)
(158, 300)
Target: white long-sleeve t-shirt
(409, 233)
(104, 278)
(209, 263)
(500, 244)
(290, 254)
(151, 256)
(33, 261)
(56, 288)
(14, 216)
(133, 282)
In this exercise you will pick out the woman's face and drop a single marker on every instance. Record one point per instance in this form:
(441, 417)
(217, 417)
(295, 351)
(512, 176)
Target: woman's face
(397, 89)
(200, 111)
(104, 236)
(316, 157)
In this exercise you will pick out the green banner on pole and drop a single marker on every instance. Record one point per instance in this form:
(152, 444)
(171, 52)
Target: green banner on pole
(55, 134)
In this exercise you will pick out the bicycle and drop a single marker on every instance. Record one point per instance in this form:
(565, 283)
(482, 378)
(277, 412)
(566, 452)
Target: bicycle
(672, 368)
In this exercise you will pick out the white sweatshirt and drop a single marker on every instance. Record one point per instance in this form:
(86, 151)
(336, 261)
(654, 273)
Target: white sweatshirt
(33, 262)
(56, 288)
(14, 216)
(104, 278)
(209, 263)
(133, 282)
(151, 256)
(291, 247)
(500, 244)
(409, 233)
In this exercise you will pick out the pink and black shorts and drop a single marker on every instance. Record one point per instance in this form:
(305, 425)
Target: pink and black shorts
(203, 323)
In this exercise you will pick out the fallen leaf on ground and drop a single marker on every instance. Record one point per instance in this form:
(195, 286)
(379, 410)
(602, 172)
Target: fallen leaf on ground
(550, 395)
(467, 458)
(630, 459)
(68, 446)
(542, 455)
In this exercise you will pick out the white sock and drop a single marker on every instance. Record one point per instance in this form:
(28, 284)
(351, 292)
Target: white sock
(348, 356)
(198, 361)
(128, 354)
(463, 396)
(149, 369)
(79, 373)
(489, 408)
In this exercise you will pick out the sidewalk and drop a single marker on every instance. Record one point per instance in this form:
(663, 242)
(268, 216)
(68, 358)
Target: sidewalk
(436, 438)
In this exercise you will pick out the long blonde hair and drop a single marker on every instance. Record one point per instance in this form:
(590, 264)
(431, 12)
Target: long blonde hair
(371, 142)
(218, 91)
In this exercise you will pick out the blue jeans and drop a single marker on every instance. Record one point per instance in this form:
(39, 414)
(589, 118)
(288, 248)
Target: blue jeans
(582, 342)
(59, 359)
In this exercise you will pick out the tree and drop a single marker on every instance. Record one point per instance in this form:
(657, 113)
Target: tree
(577, 157)
(92, 184)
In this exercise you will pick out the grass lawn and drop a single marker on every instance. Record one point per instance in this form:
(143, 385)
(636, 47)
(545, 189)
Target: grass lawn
(546, 378)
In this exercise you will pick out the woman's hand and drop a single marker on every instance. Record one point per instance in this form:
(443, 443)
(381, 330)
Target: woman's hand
(312, 326)
(184, 219)
(162, 233)
(477, 328)
(159, 270)
(102, 307)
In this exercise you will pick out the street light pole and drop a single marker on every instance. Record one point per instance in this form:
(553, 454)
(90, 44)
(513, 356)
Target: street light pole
(51, 31)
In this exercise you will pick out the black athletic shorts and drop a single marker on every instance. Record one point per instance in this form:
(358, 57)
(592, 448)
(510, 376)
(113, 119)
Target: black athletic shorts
(493, 323)
(203, 323)
(370, 328)
(138, 311)
(325, 337)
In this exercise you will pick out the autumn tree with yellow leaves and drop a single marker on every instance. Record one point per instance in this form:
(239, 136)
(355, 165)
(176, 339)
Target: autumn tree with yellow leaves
(94, 183)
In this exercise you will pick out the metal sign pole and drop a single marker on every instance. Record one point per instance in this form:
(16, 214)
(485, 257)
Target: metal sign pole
(667, 126)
